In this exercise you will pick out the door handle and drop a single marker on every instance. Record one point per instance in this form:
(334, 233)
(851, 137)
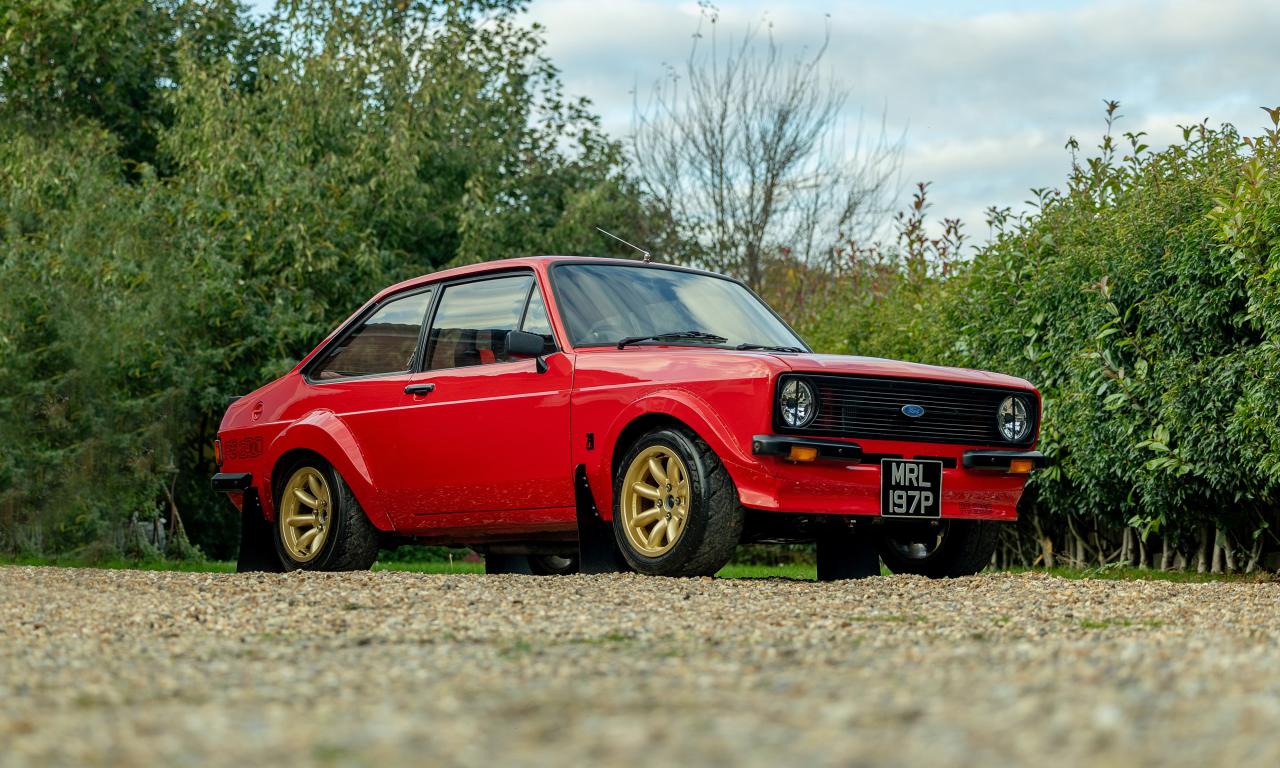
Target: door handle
(419, 389)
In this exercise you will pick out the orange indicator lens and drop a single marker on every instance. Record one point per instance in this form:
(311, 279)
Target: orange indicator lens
(803, 453)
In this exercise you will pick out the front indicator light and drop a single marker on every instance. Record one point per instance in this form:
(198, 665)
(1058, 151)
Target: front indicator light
(802, 453)
(1021, 466)
(217, 451)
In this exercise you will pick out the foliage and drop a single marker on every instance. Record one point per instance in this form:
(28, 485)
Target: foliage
(190, 199)
(188, 205)
(1142, 300)
(108, 61)
(874, 299)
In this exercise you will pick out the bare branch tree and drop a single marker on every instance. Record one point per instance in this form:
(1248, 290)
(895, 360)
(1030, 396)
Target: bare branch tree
(745, 150)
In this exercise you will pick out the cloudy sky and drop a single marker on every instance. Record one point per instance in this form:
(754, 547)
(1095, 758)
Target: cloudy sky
(986, 92)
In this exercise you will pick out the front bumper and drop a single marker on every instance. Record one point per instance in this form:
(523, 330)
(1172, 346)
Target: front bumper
(776, 445)
(976, 483)
(1000, 461)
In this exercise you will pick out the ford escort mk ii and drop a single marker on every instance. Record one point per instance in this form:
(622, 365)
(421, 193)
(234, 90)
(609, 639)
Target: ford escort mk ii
(560, 414)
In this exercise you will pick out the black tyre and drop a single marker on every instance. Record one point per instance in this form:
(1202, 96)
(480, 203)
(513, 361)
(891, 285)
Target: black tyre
(553, 565)
(319, 524)
(675, 510)
(947, 549)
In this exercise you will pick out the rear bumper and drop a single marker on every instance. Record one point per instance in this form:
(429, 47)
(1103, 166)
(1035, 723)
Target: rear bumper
(232, 482)
(976, 483)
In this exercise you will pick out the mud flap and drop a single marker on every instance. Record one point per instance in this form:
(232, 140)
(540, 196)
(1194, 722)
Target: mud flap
(257, 545)
(847, 553)
(597, 548)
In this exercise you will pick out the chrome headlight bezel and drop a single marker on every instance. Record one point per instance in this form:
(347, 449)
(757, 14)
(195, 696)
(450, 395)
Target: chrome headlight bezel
(1015, 419)
(797, 403)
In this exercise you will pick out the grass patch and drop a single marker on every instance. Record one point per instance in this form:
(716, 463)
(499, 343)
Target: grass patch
(431, 566)
(791, 571)
(796, 571)
(73, 561)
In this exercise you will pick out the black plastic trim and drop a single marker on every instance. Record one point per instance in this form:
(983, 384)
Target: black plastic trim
(1000, 460)
(948, 462)
(231, 482)
(773, 445)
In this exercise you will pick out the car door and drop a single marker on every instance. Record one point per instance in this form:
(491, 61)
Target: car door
(360, 378)
(486, 431)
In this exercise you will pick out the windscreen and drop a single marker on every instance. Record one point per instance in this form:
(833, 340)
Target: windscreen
(604, 303)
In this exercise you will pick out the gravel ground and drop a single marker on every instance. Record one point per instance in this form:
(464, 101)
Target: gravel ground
(135, 668)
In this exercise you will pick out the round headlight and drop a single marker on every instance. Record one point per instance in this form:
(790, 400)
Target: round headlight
(1014, 419)
(798, 403)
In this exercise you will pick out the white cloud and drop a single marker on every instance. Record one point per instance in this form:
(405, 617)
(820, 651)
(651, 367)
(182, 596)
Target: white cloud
(988, 98)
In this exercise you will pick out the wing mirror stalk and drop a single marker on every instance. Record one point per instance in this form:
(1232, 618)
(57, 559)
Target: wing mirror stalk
(525, 344)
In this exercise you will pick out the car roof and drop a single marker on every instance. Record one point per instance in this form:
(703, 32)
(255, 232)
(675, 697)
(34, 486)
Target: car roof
(515, 263)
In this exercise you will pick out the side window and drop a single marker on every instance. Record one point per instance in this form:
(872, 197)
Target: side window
(473, 319)
(384, 343)
(536, 320)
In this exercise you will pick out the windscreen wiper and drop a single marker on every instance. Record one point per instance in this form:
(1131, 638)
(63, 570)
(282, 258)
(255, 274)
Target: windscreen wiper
(768, 348)
(674, 336)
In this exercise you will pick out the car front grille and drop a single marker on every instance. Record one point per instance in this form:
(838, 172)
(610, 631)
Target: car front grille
(871, 408)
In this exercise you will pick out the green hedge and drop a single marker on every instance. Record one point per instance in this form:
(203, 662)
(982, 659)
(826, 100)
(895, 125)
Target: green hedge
(1142, 300)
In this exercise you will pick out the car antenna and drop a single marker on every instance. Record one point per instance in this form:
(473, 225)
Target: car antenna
(647, 256)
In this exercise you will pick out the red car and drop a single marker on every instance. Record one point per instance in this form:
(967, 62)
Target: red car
(560, 414)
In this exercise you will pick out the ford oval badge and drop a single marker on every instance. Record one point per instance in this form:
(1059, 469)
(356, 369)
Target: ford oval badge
(913, 411)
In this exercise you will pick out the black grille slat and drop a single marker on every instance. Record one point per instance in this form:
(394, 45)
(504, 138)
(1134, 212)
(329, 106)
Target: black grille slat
(895, 400)
(896, 410)
(856, 406)
(888, 398)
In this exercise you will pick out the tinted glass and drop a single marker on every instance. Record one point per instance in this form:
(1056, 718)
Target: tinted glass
(384, 343)
(536, 320)
(471, 325)
(601, 304)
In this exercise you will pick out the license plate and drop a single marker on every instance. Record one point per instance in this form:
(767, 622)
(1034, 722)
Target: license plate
(910, 488)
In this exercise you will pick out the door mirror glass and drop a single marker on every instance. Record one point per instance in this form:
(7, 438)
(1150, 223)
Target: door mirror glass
(524, 344)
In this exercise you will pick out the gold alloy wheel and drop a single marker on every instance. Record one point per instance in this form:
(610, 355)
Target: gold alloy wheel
(655, 501)
(304, 514)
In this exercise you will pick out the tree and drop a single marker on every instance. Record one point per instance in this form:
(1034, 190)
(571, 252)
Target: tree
(329, 150)
(108, 61)
(743, 150)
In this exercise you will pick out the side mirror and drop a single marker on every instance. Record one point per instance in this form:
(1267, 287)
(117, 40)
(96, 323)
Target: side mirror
(525, 344)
